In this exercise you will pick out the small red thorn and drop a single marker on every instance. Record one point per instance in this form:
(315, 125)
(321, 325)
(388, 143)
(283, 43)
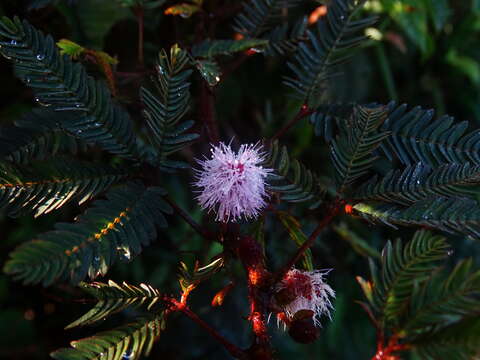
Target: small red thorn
(250, 52)
(348, 209)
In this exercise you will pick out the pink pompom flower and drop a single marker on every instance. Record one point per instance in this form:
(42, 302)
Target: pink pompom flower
(304, 291)
(233, 184)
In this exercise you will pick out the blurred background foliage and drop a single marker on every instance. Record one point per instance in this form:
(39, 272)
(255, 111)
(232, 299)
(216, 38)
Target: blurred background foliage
(423, 52)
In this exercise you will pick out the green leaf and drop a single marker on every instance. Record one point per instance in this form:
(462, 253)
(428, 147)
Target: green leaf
(66, 87)
(453, 215)
(419, 182)
(352, 152)
(70, 48)
(325, 49)
(113, 229)
(113, 298)
(465, 64)
(359, 245)
(163, 113)
(291, 178)
(417, 137)
(128, 341)
(37, 137)
(44, 186)
(402, 267)
(209, 70)
(444, 300)
(259, 16)
(212, 48)
(297, 235)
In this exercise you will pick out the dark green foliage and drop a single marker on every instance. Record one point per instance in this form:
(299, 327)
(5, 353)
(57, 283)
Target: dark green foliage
(163, 113)
(419, 182)
(113, 298)
(325, 118)
(37, 136)
(416, 136)
(64, 85)
(113, 229)
(402, 266)
(44, 186)
(259, 16)
(283, 40)
(435, 312)
(352, 151)
(212, 48)
(128, 341)
(316, 59)
(453, 215)
(291, 179)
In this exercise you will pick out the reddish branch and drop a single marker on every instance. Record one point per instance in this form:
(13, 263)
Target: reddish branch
(182, 307)
(251, 255)
(307, 244)
(387, 352)
(188, 219)
(303, 112)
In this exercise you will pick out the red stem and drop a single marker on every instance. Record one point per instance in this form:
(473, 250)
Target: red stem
(307, 244)
(182, 307)
(304, 111)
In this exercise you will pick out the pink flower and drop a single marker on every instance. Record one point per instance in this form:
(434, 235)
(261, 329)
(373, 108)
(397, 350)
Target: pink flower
(233, 184)
(305, 290)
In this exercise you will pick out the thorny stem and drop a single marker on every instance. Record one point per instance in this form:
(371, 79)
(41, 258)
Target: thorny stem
(188, 219)
(307, 244)
(304, 111)
(182, 307)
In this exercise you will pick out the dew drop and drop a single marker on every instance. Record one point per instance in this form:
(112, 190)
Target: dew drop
(128, 355)
(450, 252)
(13, 42)
(79, 131)
(28, 80)
(40, 57)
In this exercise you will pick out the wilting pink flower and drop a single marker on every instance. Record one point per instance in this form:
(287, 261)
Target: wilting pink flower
(233, 184)
(305, 290)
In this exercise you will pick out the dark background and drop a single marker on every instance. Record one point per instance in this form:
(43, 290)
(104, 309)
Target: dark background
(428, 55)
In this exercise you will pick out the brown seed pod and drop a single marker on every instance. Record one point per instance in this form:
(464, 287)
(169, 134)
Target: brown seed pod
(302, 328)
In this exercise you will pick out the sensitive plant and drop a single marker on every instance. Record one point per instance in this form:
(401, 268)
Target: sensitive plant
(388, 165)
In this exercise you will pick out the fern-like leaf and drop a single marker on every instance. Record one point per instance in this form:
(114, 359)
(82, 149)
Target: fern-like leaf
(65, 86)
(113, 229)
(402, 266)
(212, 48)
(416, 136)
(163, 113)
(44, 186)
(291, 178)
(453, 215)
(419, 182)
(113, 298)
(455, 342)
(284, 40)
(130, 341)
(315, 61)
(37, 136)
(259, 16)
(444, 300)
(352, 151)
